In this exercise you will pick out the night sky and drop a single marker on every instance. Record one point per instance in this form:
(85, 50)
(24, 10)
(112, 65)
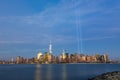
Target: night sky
(27, 26)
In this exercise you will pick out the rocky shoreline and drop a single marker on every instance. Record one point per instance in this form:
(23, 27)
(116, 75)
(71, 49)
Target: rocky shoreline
(108, 76)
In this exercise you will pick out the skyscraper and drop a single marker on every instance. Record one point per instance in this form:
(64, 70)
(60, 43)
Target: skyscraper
(63, 54)
(50, 57)
(50, 48)
(39, 55)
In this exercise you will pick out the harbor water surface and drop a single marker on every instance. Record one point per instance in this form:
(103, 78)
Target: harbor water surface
(54, 71)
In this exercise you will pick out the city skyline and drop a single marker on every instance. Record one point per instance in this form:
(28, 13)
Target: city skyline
(64, 57)
(88, 26)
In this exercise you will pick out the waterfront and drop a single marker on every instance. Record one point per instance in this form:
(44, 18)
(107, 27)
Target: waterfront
(54, 71)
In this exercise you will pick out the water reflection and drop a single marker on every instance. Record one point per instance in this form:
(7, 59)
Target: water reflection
(64, 72)
(37, 74)
(49, 72)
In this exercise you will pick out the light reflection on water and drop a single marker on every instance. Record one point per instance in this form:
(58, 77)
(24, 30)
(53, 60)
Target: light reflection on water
(47, 72)
(39, 72)
(55, 71)
(71, 71)
(64, 73)
(37, 75)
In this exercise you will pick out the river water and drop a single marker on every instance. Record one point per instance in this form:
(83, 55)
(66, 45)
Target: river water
(54, 71)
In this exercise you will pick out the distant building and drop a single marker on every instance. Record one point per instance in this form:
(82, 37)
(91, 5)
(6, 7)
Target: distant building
(83, 59)
(79, 58)
(93, 58)
(45, 57)
(50, 58)
(61, 58)
(12, 59)
(19, 60)
(63, 55)
(88, 58)
(50, 48)
(39, 55)
(105, 58)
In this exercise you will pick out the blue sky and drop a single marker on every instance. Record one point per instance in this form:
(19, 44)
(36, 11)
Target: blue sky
(27, 26)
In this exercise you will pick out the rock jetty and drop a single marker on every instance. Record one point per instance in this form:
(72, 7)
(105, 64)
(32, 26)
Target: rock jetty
(108, 76)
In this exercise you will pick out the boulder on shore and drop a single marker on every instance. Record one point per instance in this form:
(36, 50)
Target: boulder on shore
(108, 76)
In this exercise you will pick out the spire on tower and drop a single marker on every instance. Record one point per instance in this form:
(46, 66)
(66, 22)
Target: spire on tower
(50, 47)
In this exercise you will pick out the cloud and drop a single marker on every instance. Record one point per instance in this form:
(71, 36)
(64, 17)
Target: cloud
(99, 38)
(115, 29)
(13, 42)
(55, 15)
(64, 14)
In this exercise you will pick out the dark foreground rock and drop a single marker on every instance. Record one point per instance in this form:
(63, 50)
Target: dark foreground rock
(108, 76)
